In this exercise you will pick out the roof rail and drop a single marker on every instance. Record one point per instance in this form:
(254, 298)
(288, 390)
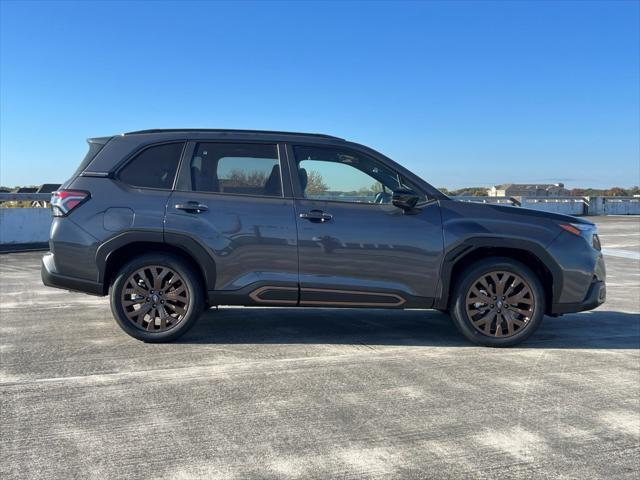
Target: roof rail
(229, 130)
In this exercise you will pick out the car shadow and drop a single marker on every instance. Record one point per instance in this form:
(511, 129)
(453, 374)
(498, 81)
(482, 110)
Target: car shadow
(588, 330)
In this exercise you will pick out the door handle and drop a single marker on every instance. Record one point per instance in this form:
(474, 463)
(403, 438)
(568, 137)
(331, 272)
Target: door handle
(316, 216)
(192, 207)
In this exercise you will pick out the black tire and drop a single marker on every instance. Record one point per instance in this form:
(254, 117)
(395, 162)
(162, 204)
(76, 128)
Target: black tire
(459, 310)
(193, 304)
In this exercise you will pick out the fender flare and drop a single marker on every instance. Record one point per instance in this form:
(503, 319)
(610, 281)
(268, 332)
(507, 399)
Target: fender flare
(467, 246)
(187, 244)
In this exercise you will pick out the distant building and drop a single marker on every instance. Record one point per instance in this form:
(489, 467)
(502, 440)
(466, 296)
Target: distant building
(528, 190)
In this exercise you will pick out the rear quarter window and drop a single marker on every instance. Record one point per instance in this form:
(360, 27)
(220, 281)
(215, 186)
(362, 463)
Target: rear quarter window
(94, 149)
(154, 167)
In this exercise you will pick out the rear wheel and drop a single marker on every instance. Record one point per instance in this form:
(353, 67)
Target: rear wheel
(498, 302)
(156, 298)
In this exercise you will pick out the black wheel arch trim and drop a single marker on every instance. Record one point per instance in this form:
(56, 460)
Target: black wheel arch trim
(198, 252)
(467, 246)
(187, 244)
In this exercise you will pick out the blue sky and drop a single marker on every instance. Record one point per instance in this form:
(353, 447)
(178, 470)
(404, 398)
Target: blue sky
(463, 93)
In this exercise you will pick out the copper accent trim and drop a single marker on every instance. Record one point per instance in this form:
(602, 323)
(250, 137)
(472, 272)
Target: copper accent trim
(255, 295)
(399, 300)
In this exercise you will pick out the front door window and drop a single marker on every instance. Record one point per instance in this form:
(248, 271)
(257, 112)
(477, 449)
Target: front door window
(332, 174)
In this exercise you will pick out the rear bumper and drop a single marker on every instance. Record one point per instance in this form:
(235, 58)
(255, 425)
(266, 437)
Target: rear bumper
(596, 296)
(51, 278)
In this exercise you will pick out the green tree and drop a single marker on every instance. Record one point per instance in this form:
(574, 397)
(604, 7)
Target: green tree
(616, 192)
(243, 178)
(315, 184)
(372, 190)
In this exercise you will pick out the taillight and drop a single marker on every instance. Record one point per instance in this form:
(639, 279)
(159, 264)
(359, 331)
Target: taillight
(64, 201)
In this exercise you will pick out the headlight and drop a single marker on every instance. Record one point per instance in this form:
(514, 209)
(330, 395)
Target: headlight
(588, 231)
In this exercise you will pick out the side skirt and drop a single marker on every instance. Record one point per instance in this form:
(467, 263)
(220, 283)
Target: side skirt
(289, 296)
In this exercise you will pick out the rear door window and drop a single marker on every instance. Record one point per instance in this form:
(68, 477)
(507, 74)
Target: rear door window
(154, 167)
(236, 168)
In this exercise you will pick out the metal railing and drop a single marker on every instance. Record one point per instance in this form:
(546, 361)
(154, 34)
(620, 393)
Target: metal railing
(24, 197)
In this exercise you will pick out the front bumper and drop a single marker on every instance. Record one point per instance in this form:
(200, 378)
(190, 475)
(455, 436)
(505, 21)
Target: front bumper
(596, 296)
(51, 278)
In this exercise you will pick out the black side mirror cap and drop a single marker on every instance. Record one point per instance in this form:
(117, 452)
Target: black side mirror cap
(405, 199)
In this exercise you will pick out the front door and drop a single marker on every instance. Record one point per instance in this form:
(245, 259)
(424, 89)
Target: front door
(355, 247)
(230, 198)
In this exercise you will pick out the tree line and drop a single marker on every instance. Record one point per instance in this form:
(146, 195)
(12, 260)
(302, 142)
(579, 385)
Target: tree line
(574, 192)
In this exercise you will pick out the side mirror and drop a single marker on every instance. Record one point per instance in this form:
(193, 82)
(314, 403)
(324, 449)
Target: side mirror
(405, 199)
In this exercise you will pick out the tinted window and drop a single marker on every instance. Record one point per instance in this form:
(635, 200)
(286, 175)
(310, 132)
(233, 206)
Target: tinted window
(154, 167)
(236, 168)
(331, 174)
(94, 148)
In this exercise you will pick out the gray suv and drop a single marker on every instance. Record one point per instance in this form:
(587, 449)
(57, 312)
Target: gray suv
(171, 222)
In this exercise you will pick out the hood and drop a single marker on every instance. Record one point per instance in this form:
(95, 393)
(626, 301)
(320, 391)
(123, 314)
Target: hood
(528, 212)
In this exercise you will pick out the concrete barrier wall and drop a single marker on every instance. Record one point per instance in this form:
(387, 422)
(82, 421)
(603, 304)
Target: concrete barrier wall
(568, 207)
(24, 225)
(31, 225)
(614, 206)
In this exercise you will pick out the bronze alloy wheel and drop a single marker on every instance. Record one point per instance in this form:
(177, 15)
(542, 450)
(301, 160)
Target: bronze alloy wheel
(155, 298)
(500, 304)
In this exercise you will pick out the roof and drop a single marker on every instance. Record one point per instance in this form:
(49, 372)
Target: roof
(48, 187)
(529, 186)
(223, 130)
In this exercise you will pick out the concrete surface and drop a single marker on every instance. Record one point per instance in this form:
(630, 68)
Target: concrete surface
(318, 394)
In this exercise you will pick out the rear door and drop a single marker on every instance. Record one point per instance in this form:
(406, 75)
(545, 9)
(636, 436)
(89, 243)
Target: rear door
(230, 197)
(355, 247)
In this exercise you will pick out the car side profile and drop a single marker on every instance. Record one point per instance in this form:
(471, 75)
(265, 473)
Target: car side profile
(171, 222)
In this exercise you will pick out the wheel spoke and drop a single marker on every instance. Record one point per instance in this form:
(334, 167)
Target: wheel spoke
(511, 285)
(176, 308)
(136, 277)
(128, 303)
(152, 321)
(480, 296)
(520, 296)
(489, 322)
(159, 278)
(499, 319)
(164, 316)
(135, 289)
(508, 316)
(526, 313)
(485, 321)
(499, 283)
(176, 294)
(139, 304)
(499, 290)
(139, 314)
(483, 282)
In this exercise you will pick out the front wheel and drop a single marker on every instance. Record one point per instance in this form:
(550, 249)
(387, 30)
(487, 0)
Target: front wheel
(498, 302)
(156, 297)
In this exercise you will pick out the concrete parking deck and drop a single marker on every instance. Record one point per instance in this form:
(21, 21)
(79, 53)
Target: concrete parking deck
(271, 393)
